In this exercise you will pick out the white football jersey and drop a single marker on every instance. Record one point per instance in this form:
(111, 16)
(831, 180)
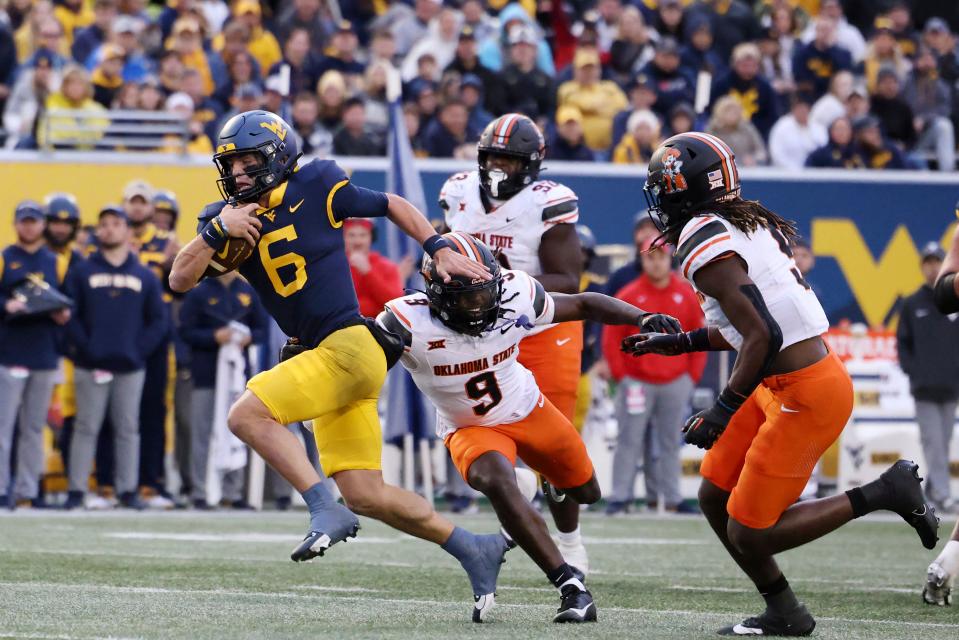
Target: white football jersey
(472, 380)
(770, 266)
(515, 226)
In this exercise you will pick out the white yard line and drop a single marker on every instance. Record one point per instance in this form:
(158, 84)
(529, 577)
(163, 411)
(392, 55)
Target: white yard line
(407, 601)
(256, 538)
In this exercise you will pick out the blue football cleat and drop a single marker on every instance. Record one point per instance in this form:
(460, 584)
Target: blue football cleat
(326, 529)
(483, 570)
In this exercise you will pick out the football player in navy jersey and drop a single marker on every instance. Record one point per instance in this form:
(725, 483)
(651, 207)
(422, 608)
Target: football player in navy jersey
(292, 215)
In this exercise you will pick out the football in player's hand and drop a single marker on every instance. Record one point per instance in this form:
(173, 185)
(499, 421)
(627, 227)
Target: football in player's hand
(235, 253)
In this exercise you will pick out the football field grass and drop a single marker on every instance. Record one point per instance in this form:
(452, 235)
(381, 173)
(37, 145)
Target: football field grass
(196, 575)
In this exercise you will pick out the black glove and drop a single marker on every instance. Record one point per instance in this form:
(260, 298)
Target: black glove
(659, 323)
(704, 428)
(292, 348)
(664, 344)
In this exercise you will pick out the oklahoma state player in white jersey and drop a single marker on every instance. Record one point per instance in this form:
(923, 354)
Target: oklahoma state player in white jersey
(788, 397)
(461, 341)
(532, 223)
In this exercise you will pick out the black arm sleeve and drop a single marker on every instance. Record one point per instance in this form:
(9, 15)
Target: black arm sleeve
(388, 321)
(944, 294)
(751, 291)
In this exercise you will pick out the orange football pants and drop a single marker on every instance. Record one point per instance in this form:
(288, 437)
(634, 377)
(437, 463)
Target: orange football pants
(772, 444)
(545, 440)
(553, 357)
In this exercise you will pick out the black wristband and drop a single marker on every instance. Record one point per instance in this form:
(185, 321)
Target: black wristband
(434, 243)
(730, 400)
(214, 234)
(698, 339)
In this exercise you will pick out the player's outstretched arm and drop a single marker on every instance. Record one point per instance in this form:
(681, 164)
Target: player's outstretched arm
(415, 225)
(946, 293)
(664, 344)
(193, 259)
(606, 310)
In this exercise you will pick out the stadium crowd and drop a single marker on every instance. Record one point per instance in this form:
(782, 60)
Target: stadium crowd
(787, 83)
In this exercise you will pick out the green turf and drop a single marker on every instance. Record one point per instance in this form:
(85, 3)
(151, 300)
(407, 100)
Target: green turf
(172, 575)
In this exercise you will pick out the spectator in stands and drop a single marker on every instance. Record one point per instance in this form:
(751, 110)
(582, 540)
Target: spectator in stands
(449, 135)
(423, 94)
(342, 54)
(471, 93)
(236, 40)
(441, 40)
(777, 68)
(476, 18)
(642, 96)
(29, 356)
(671, 82)
(668, 22)
(641, 139)
(166, 210)
(795, 136)
(307, 15)
(263, 44)
(81, 132)
(50, 38)
(216, 312)
(816, 62)
(733, 23)
(409, 26)
(928, 346)
(354, 138)
(946, 49)
(931, 102)
(610, 13)
(242, 71)
(466, 61)
(28, 99)
(205, 108)
(118, 319)
(597, 99)
(149, 96)
(682, 119)
(847, 36)
(729, 123)
(526, 88)
(170, 72)
(751, 90)
(107, 78)
(652, 392)
(873, 150)
(698, 54)
(832, 105)
(567, 143)
(383, 47)
(900, 17)
(375, 277)
(857, 104)
(894, 114)
(197, 142)
(72, 14)
(89, 38)
(331, 90)
(189, 47)
(127, 34)
(633, 46)
(374, 96)
(314, 138)
(411, 118)
(883, 52)
(492, 51)
(839, 151)
(644, 230)
(301, 60)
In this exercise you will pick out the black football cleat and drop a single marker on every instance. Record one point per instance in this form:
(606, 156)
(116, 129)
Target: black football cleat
(905, 497)
(575, 605)
(329, 527)
(798, 622)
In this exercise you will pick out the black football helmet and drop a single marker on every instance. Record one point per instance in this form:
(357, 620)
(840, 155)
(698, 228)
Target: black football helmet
(265, 134)
(516, 136)
(463, 304)
(687, 171)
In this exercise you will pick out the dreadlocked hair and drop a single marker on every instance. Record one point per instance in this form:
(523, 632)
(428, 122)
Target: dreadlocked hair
(745, 215)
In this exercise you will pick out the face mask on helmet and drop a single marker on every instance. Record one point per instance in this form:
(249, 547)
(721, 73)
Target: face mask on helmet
(261, 174)
(659, 217)
(501, 183)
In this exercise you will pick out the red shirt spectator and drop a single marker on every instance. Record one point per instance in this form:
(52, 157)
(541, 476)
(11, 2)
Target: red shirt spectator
(663, 292)
(375, 278)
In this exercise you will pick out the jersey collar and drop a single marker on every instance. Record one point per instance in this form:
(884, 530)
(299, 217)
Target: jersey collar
(276, 197)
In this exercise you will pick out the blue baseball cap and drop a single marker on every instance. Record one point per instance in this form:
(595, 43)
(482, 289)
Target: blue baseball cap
(29, 209)
(113, 210)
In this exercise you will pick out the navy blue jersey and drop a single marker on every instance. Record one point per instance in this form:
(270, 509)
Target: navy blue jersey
(28, 342)
(299, 267)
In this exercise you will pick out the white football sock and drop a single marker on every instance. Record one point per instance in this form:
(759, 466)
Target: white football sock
(571, 538)
(949, 558)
